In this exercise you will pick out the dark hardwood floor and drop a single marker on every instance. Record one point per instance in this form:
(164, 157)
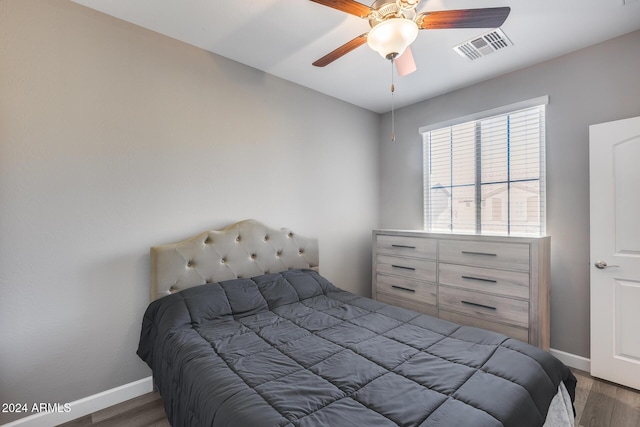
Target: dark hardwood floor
(603, 404)
(598, 404)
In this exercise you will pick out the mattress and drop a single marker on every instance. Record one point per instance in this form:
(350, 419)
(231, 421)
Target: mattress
(292, 349)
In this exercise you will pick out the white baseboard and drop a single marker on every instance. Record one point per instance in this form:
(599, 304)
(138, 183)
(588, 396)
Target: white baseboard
(86, 405)
(572, 360)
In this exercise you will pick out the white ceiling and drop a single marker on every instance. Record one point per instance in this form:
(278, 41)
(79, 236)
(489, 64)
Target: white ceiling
(283, 38)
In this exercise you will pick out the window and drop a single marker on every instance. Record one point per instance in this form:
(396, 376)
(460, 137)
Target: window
(486, 174)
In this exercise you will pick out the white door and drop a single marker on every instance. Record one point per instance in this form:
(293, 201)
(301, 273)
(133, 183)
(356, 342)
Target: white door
(614, 153)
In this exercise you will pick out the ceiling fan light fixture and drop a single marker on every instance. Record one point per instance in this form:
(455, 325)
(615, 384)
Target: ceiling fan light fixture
(391, 37)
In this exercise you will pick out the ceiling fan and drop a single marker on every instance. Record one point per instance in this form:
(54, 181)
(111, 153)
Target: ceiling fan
(395, 25)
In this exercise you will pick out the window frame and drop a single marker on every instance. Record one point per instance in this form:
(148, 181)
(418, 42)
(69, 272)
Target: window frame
(477, 117)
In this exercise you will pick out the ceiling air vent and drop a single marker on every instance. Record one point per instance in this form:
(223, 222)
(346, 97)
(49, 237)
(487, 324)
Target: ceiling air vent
(483, 45)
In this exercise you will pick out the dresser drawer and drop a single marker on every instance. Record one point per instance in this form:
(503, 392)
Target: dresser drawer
(407, 267)
(414, 290)
(521, 334)
(501, 282)
(429, 309)
(512, 256)
(483, 306)
(416, 247)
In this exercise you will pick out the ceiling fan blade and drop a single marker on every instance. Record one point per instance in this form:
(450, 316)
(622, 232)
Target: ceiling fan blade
(348, 6)
(405, 63)
(342, 50)
(492, 17)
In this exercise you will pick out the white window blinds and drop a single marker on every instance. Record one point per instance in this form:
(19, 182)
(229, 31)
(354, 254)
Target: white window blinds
(487, 176)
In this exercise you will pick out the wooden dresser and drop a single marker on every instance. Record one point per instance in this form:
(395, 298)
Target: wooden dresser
(492, 282)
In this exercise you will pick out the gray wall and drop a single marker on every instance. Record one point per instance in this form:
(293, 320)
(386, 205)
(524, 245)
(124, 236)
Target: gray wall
(113, 139)
(597, 84)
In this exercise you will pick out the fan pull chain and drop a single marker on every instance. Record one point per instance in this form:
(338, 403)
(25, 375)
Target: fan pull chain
(393, 119)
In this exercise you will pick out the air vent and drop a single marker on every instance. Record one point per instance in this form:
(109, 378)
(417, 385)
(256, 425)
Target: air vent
(483, 45)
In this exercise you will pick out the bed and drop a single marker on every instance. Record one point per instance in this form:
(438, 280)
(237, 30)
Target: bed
(244, 331)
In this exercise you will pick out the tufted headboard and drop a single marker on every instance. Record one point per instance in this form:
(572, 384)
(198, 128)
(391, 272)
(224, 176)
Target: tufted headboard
(244, 249)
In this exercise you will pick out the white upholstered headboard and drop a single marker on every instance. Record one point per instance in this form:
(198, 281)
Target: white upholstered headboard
(244, 249)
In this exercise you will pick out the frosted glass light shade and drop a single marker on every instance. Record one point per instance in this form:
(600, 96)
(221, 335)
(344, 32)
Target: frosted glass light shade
(391, 37)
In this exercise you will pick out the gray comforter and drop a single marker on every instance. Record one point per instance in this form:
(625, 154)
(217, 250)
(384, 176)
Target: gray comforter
(291, 349)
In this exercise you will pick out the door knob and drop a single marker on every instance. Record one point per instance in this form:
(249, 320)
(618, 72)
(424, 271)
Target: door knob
(603, 264)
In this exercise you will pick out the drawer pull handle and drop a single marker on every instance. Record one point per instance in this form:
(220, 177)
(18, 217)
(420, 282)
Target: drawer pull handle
(475, 304)
(403, 246)
(481, 279)
(403, 289)
(403, 267)
(478, 253)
